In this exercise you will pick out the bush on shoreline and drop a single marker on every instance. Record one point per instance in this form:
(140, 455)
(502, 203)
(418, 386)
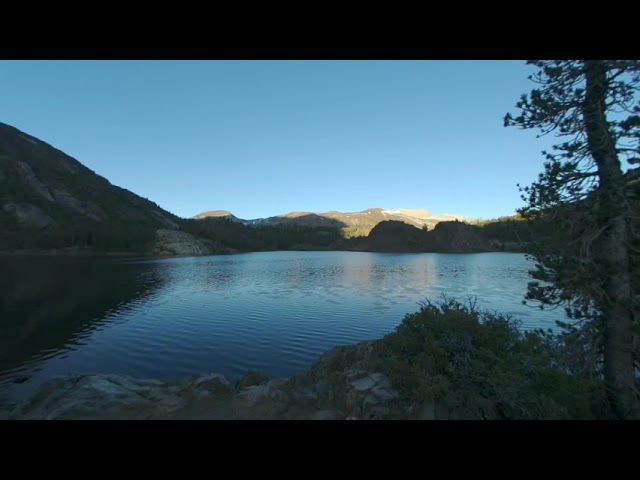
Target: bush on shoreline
(461, 362)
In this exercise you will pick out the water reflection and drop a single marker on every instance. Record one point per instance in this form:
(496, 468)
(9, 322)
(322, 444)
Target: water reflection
(275, 312)
(47, 304)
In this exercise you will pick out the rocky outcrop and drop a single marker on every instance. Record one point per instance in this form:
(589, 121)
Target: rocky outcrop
(446, 237)
(174, 242)
(394, 236)
(29, 215)
(457, 237)
(251, 379)
(343, 384)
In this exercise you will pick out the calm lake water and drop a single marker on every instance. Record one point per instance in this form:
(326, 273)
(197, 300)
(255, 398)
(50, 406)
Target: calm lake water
(275, 312)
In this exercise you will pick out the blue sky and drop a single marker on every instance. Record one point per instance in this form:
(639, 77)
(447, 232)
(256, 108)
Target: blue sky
(261, 138)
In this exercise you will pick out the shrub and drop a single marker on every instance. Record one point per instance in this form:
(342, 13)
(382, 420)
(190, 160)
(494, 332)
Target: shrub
(466, 363)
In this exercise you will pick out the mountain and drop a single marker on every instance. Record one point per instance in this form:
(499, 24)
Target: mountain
(218, 214)
(41, 186)
(47, 193)
(352, 224)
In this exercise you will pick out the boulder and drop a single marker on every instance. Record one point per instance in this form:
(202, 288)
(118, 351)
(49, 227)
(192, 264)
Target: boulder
(252, 378)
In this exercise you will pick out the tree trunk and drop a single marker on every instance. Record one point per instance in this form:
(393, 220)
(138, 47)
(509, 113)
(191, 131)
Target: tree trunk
(614, 248)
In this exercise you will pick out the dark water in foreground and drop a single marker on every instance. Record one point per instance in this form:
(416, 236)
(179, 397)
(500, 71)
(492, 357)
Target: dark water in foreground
(276, 312)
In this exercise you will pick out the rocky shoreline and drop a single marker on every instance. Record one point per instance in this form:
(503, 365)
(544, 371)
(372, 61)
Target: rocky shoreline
(345, 383)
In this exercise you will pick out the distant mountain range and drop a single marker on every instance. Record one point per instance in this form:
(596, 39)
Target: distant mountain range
(353, 223)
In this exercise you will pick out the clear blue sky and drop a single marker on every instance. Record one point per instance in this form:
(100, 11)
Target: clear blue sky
(261, 138)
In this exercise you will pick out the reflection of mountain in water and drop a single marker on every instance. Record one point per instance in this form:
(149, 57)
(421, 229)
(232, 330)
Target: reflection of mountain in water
(47, 303)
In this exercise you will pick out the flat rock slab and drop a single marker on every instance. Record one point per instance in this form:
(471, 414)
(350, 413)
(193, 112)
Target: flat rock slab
(362, 384)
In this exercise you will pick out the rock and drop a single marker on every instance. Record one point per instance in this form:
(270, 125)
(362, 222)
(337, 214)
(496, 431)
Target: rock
(268, 401)
(29, 215)
(346, 379)
(364, 383)
(428, 411)
(214, 383)
(27, 175)
(344, 383)
(252, 378)
(324, 415)
(175, 242)
(84, 207)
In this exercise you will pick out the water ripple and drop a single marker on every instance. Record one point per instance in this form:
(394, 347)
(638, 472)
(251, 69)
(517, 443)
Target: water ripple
(275, 312)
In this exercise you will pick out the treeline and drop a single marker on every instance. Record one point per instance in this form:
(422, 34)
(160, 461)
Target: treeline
(516, 233)
(229, 234)
(508, 230)
(508, 234)
(96, 238)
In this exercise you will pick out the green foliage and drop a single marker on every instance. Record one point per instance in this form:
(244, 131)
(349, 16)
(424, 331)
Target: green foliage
(510, 231)
(355, 231)
(235, 236)
(567, 199)
(117, 238)
(477, 364)
(584, 198)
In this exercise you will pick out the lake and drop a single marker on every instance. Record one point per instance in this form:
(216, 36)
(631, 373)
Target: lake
(275, 312)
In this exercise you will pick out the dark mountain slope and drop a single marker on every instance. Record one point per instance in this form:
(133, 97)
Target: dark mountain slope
(50, 200)
(43, 187)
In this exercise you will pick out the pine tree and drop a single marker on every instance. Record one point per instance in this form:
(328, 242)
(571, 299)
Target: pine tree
(589, 262)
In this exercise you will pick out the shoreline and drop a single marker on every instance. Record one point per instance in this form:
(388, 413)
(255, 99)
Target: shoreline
(345, 383)
(88, 254)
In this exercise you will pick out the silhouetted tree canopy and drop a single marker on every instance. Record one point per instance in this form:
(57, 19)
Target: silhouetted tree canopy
(587, 193)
